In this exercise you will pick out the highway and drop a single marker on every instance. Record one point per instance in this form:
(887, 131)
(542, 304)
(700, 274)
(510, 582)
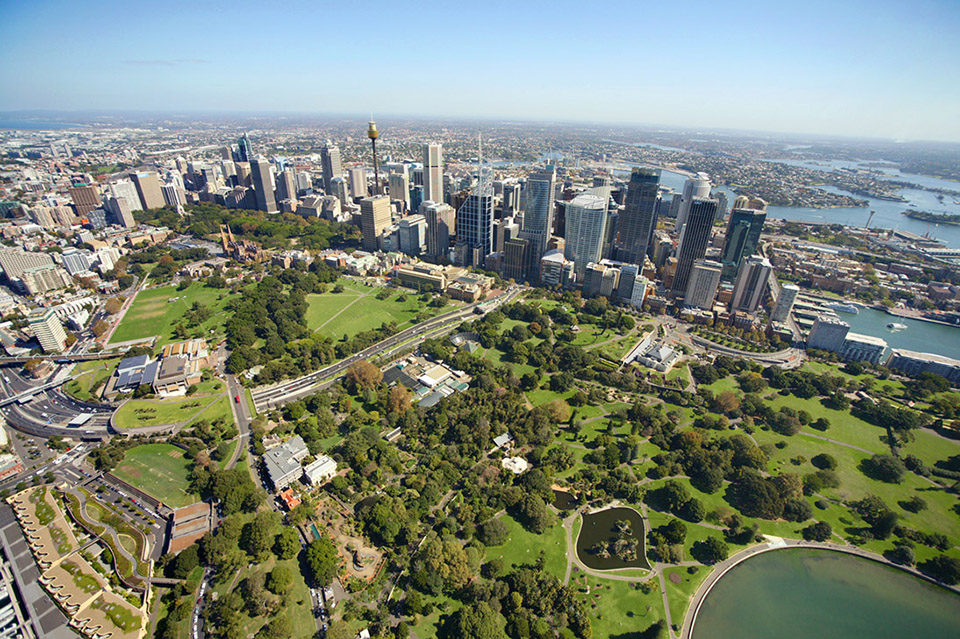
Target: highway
(48, 412)
(270, 397)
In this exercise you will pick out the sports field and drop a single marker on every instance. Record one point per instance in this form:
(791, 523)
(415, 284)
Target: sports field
(156, 311)
(160, 470)
(357, 309)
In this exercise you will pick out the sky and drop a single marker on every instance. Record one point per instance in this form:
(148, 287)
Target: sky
(882, 68)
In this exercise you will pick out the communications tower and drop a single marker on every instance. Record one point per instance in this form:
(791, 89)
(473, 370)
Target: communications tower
(373, 134)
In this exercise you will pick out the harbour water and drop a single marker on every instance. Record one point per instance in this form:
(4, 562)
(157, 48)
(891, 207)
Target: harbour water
(925, 337)
(813, 594)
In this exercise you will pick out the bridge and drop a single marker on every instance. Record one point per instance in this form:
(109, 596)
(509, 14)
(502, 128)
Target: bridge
(65, 359)
(36, 390)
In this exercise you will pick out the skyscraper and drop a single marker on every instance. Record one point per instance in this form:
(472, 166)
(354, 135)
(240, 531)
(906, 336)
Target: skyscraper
(86, 197)
(400, 189)
(244, 149)
(48, 329)
(743, 235)
(331, 165)
(639, 216)
(263, 185)
(704, 280)
(358, 182)
(441, 220)
(412, 234)
(693, 240)
(751, 283)
(695, 187)
(287, 185)
(538, 211)
(374, 218)
(148, 188)
(515, 259)
(585, 225)
(784, 304)
(433, 172)
(475, 227)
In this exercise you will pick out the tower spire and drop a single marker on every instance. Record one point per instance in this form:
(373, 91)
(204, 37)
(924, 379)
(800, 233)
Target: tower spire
(373, 134)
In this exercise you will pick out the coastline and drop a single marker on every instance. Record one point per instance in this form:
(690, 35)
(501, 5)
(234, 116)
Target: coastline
(919, 318)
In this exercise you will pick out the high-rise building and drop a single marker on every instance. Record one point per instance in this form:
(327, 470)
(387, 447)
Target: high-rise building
(538, 210)
(244, 149)
(14, 262)
(374, 219)
(639, 291)
(76, 260)
(722, 205)
(695, 187)
(639, 216)
(783, 306)
(693, 240)
(263, 185)
(86, 197)
(475, 227)
(122, 211)
(704, 280)
(127, 190)
(331, 165)
(148, 188)
(358, 182)
(593, 279)
(751, 284)
(400, 189)
(515, 259)
(287, 185)
(511, 199)
(41, 215)
(433, 172)
(48, 329)
(412, 232)
(340, 190)
(585, 226)
(441, 223)
(628, 275)
(828, 333)
(743, 235)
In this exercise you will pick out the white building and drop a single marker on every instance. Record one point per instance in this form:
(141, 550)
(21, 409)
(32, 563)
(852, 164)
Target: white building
(788, 295)
(702, 287)
(321, 471)
(48, 329)
(585, 225)
(828, 333)
(433, 172)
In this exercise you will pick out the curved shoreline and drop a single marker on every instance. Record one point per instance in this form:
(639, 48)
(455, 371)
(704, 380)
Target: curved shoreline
(686, 631)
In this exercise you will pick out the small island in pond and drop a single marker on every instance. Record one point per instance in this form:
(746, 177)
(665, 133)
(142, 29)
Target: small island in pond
(939, 218)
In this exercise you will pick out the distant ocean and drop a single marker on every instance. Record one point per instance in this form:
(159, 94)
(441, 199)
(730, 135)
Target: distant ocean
(38, 125)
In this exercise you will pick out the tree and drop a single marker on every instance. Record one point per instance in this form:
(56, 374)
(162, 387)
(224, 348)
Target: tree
(820, 531)
(363, 374)
(99, 328)
(824, 461)
(493, 532)
(533, 513)
(257, 536)
(477, 622)
(885, 468)
(280, 580)
(942, 568)
(399, 399)
(710, 551)
(185, 562)
(278, 628)
(674, 532)
(322, 558)
(287, 544)
(113, 305)
(693, 511)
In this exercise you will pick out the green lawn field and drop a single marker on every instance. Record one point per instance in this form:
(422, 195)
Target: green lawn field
(90, 373)
(150, 412)
(524, 547)
(357, 309)
(152, 312)
(160, 470)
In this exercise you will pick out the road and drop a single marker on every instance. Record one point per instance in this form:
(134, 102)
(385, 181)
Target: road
(270, 397)
(49, 412)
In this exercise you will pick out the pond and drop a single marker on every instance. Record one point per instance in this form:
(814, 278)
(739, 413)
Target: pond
(564, 500)
(600, 529)
(814, 594)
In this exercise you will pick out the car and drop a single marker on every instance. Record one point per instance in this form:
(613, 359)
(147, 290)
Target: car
(236, 398)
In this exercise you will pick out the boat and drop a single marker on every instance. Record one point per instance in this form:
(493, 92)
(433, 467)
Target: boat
(840, 307)
(896, 326)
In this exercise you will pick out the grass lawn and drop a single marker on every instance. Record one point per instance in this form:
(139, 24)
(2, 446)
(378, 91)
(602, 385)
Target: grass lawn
(616, 608)
(230, 450)
(160, 470)
(357, 309)
(90, 374)
(220, 408)
(150, 412)
(153, 314)
(679, 594)
(727, 383)
(524, 547)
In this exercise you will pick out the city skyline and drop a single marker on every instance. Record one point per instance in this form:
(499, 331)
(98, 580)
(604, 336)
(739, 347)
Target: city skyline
(824, 70)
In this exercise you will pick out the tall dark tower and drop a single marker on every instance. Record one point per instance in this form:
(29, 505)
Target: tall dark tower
(639, 217)
(373, 134)
(693, 240)
(244, 149)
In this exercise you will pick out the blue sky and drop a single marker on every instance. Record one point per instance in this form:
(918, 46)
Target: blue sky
(882, 68)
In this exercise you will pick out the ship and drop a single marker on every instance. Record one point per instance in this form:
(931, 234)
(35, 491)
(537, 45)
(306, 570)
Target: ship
(896, 326)
(840, 307)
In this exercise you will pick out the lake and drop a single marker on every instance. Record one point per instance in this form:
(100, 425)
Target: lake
(600, 527)
(820, 594)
